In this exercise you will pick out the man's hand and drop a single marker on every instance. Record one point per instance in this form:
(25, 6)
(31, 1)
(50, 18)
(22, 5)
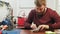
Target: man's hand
(33, 26)
(41, 27)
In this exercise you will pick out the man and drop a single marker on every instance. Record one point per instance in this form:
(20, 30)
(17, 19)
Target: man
(42, 17)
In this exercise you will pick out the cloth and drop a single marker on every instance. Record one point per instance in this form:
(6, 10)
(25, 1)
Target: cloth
(6, 22)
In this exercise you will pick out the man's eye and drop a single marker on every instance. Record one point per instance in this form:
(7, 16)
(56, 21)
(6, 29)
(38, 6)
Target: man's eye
(37, 8)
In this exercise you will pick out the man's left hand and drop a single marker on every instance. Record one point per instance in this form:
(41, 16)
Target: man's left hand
(41, 27)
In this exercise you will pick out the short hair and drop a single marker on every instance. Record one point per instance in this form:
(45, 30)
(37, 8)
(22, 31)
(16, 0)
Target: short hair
(40, 2)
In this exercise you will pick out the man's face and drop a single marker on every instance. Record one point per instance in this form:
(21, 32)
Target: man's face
(40, 9)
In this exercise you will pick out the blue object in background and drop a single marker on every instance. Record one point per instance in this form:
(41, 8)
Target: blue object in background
(6, 22)
(15, 31)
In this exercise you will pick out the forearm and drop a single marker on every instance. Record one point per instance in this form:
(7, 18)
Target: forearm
(27, 25)
(54, 26)
(56, 19)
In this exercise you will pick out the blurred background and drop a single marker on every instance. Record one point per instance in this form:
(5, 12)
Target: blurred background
(21, 8)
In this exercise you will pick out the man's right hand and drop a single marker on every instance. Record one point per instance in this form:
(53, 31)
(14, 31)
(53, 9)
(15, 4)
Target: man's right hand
(33, 26)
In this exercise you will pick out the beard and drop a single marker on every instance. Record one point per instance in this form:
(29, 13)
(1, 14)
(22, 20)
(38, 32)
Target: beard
(40, 14)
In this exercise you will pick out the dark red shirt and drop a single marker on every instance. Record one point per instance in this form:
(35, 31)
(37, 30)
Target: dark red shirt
(50, 18)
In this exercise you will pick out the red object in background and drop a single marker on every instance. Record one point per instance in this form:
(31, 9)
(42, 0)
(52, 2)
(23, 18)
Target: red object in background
(21, 21)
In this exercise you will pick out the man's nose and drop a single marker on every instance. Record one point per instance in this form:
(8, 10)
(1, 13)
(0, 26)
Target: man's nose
(40, 9)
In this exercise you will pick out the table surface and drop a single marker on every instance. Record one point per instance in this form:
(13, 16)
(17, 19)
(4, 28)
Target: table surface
(22, 30)
(30, 32)
(27, 31)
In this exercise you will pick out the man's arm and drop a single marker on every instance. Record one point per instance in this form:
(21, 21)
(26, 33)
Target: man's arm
(56, 24)
(29, 20)
(56, 18)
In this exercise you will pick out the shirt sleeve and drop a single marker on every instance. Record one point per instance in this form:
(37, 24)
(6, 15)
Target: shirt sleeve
(56, 18)
(29, 19)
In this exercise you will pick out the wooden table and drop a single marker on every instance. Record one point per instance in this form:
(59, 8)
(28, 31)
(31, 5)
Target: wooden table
(25, 31)
(30, 32)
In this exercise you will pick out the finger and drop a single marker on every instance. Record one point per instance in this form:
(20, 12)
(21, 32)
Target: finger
(32, 23)
(42, 28)
(39, 27)
(33, 26)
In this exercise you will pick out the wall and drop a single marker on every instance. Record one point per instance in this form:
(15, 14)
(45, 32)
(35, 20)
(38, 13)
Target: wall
(58, 6)
(52, 4)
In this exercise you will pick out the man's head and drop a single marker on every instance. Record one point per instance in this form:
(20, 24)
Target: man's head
(40, 5)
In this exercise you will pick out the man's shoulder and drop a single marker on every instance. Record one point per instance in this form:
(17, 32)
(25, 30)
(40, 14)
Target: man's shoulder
(51, 10)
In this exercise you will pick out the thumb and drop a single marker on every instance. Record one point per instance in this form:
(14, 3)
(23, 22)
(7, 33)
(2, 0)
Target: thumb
(32, 23)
